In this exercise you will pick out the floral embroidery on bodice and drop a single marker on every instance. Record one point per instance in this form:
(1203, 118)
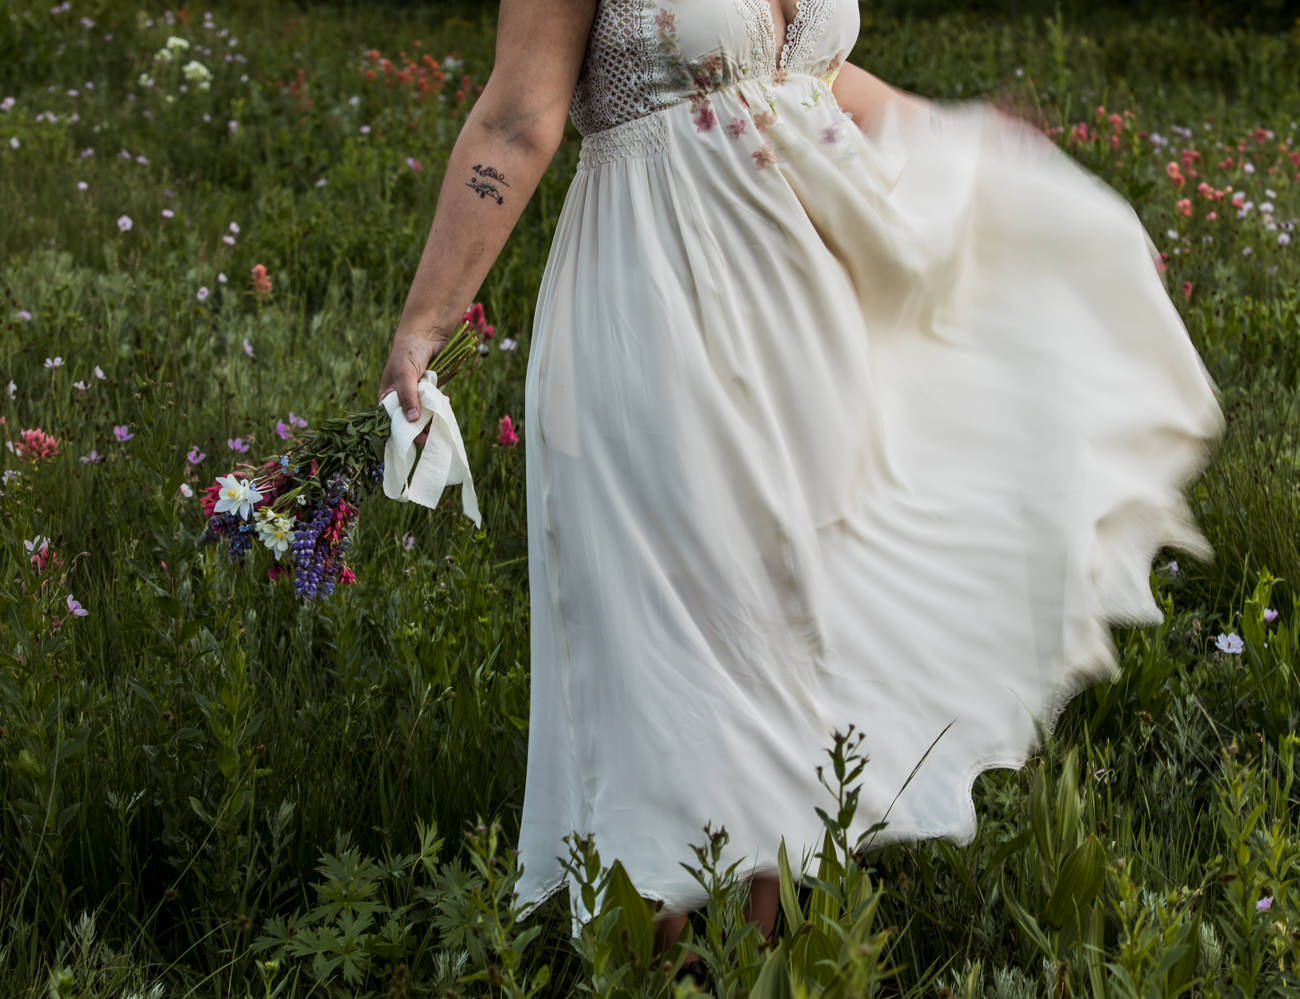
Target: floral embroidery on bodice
(644, 56)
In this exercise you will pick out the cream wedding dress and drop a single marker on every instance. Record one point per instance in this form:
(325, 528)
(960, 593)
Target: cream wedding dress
(827, 423)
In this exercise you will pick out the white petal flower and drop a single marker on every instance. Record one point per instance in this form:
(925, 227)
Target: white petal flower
(236, 496)
(1231, 644)
(274, 531)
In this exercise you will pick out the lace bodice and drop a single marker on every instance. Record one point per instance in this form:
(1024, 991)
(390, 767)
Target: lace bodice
(646, 55)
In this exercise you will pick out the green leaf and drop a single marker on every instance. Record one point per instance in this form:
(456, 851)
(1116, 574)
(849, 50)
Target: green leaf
(1027, 923)
(773, 980)
(634, 914)
(1078, 882)
(794, 917)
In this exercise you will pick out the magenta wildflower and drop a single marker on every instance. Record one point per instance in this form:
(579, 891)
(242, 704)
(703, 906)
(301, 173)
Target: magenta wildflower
(236, 444)
(75, 609)
(296, 421)
(123, 433)
(195, 456)
(94, 458)
(283, 430)
(1264, 904)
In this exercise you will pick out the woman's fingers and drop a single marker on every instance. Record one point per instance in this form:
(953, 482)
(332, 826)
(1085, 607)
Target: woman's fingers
(407, 362)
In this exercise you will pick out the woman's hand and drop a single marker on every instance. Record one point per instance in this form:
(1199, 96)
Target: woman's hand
(410, 356)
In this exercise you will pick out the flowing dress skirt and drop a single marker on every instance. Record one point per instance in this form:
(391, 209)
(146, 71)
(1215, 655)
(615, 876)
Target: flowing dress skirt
(878, 429)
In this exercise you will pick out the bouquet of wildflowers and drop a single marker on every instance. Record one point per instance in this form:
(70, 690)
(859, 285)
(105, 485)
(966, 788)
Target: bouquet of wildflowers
(301, 506)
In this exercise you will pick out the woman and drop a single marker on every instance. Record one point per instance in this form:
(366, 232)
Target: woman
(842, 407)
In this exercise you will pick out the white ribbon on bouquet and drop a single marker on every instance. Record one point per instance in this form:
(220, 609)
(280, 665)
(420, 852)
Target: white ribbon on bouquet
(442, 463)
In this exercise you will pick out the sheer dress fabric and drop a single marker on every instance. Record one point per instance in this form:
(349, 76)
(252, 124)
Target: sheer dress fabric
(826, 423)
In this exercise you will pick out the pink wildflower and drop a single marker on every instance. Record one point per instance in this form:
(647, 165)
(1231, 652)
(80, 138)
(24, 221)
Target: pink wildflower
(506, 436)
(1185, 207)
(35, 445)
(260, 281)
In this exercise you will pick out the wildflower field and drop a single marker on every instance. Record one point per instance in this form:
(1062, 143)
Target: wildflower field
(210, 786)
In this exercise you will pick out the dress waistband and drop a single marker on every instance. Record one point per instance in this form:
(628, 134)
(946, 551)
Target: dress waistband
(640, 137)
(648, 135)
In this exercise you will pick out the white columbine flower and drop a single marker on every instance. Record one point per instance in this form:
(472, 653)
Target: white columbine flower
(236, 497)
(274, 531)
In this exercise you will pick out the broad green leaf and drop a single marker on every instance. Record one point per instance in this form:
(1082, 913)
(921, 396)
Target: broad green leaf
(1078, 882)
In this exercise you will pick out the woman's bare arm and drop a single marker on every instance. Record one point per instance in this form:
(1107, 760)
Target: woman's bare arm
(503, 149)
(866, 96)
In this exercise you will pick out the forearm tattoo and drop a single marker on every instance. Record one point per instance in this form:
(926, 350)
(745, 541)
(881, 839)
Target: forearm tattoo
(485, 184)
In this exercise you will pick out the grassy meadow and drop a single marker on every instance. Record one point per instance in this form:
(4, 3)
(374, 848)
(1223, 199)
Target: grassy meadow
(208, 788)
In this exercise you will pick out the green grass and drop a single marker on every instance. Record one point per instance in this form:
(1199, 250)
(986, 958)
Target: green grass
(199, 763)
